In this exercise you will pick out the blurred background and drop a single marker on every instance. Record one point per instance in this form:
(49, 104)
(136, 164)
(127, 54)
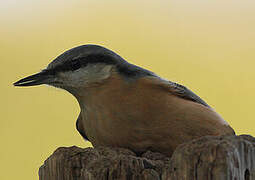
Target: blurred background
(206, 45)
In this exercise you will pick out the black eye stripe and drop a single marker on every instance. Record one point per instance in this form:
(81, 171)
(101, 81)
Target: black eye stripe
(75, 64)
(70, 65)
(122, 66)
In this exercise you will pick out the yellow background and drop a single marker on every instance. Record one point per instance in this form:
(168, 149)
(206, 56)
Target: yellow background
(209, 46)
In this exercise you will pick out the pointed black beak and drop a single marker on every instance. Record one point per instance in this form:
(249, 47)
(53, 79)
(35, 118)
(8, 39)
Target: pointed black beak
(33, 80)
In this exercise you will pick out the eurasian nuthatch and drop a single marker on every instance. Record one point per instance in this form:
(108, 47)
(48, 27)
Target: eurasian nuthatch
(123, 105)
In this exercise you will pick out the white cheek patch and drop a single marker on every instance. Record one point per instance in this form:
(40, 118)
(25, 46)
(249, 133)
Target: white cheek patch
(89, 74)
(106, 71)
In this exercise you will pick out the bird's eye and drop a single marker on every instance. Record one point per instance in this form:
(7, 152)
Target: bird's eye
(75, 64)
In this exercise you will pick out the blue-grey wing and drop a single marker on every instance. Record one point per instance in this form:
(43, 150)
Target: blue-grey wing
(185, 93)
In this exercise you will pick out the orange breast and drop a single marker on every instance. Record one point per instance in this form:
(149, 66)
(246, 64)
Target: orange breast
(144, 116)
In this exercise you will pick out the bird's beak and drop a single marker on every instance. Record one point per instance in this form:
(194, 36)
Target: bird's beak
(33, 80)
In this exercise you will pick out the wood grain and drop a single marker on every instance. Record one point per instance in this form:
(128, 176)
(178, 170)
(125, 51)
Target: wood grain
(212, 158)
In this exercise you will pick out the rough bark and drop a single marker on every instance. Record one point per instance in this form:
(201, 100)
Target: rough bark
(212, 158)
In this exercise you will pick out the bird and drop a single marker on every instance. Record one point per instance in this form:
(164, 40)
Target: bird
(126, 106)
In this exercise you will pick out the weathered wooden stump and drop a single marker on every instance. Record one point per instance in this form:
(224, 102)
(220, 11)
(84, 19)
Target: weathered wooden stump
(212, 158)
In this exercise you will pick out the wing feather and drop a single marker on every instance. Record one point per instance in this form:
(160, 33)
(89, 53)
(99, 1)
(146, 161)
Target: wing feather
(185, 93)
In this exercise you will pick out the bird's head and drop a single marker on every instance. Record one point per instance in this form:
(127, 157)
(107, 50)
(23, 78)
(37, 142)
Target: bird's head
(81, 66)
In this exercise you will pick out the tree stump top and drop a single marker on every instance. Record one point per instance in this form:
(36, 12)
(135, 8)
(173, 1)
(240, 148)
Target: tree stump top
(219, 158)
